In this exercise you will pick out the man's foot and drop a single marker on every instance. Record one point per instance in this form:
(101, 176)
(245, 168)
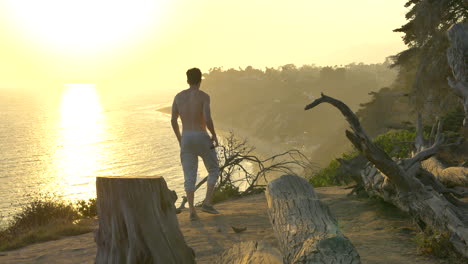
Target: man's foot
(194, 217)
(209, 209)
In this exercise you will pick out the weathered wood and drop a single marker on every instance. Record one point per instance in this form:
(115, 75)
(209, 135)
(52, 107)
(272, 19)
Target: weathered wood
(448, 176)
(363, 143)
(306, 230)
(251, 252)
(138, 223)
(390, 180)
(457, 55)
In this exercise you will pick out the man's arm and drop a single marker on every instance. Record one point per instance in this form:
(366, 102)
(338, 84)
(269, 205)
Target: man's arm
(174, 123)
(209, 120)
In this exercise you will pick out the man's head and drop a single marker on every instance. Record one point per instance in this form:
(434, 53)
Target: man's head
(194, 76)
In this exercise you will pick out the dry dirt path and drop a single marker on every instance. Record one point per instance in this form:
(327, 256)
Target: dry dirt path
(379, 232)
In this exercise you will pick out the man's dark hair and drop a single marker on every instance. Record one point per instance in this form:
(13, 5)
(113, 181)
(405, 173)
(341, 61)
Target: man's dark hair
(194, 76)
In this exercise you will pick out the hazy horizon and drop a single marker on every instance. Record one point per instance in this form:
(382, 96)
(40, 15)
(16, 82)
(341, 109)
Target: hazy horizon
(150, 44)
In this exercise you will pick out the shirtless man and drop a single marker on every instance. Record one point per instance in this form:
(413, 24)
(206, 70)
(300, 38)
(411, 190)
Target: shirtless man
(193, 107)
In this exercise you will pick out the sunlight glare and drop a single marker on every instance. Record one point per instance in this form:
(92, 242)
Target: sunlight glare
(82, 128)
(86, 25)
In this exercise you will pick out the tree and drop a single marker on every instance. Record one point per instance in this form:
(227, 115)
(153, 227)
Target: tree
(424, 64)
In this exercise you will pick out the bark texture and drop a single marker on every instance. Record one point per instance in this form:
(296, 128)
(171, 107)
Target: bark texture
(448, 176)
(138, 223)
(306, 230)
(404, 184)
(251, 252)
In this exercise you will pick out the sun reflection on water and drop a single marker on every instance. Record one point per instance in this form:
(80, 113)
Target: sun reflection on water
(79, 149)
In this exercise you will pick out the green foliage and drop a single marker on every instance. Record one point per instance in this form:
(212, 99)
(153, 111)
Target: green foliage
(42, 211)
(87, 208)
(326, 176)
(425, 36)
(46, 218)
(437, 243)
(396, 143)
(332, 174)
(453, 120)
(224, 192)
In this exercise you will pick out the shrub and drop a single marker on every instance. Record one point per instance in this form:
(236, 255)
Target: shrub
(42, 211)
(453, 121)
(224, 192)
(396, 143)
(326, 176)
(46, 218)
(87, 208)
(332, 174)
(437, 243)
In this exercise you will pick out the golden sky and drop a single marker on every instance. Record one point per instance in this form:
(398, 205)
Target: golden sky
(150, 44)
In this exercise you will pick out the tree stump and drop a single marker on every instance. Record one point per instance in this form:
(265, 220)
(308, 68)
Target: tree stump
(306, 230)
(138, 223)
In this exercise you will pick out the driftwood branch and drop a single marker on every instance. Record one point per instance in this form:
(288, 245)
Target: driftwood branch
(362, 142)
(424, 152)
(404, 184)
(234, 154)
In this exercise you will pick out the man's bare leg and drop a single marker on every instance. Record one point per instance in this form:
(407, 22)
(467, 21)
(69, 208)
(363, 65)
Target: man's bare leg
(209, 194)
(207, 204)
(193, 212)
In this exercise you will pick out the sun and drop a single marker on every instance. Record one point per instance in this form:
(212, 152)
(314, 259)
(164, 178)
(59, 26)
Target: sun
(78, 26)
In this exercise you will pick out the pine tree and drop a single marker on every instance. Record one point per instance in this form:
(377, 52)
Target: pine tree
(424, 64)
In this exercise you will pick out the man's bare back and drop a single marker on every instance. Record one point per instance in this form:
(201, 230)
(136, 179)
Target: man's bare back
(190, 105)
(193, 107)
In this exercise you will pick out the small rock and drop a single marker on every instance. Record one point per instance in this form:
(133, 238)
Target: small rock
(406, 230)
(238, 229)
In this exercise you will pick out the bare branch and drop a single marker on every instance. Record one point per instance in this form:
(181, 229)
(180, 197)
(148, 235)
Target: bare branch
(420, 142)
(426, 153)
(362, 142)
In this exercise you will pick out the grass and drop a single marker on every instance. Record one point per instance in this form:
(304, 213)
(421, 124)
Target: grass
(225, 192)
(435, 243)
(43, 233)
(47, 218)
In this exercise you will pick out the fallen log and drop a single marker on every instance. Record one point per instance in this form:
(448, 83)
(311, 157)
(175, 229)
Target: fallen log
(138, 223)
(448, 176)
(306, 230)
(398, 182)
(251, 252)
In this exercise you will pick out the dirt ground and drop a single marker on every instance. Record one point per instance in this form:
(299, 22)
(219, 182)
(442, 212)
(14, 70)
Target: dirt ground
(380, 233)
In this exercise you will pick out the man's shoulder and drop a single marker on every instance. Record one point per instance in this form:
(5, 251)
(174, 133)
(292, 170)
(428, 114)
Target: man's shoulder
(180, 94)
(186, 92)
(204, 94)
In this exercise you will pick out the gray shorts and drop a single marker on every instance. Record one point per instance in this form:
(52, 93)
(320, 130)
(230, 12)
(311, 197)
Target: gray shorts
(196, 144)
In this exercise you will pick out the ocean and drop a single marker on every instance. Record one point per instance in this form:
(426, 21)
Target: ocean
(57, 143)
